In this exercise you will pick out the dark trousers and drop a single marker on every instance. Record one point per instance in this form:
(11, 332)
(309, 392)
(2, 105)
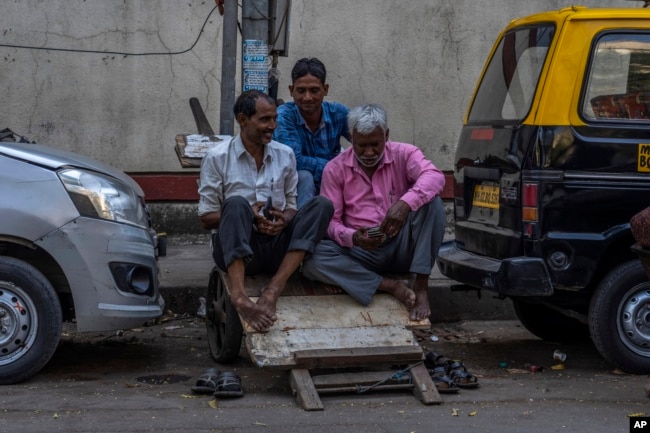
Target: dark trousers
(237, 238)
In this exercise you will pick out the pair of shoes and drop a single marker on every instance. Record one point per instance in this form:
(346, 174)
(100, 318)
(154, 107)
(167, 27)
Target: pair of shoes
(218, 383)
(444, 384)
(228, 385)
(207, 382)
(455, 370)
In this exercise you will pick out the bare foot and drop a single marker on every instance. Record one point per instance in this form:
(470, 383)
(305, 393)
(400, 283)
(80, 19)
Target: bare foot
(257, 316)
(267, 300)
(400, 290)
(421, 310)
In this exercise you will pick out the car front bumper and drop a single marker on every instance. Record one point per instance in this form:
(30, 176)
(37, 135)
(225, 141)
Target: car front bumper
(85, 249)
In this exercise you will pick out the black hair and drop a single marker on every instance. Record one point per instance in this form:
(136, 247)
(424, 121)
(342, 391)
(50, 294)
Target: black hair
(311, 66)
(245, 103)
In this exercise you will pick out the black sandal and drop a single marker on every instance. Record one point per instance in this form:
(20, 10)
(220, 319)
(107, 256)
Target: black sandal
(228, 385)
(207, 382)
(460, 376)
(434, 359)
(444, 384)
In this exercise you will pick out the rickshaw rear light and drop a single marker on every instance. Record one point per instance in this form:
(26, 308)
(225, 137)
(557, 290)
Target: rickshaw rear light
(529, 195)
(530, 201)
(529, 214)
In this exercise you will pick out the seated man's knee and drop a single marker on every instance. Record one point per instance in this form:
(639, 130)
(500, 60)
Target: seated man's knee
(235, 201)
(322, 205)
(306, 186)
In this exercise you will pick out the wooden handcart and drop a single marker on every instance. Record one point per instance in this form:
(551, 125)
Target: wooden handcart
(317, 333)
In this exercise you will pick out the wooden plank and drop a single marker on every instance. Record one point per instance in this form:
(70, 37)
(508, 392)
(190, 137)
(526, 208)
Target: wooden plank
(355, 389)
(276, 348)
(330, 358)
(305, 312)
(297, 309)
(304, 390)
(340, 311)
(424, 388)
(325, 322)
(179, 148)
(361, 378)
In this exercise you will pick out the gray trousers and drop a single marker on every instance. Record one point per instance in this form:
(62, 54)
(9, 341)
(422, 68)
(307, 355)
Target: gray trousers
(237, 239)
(358, 271)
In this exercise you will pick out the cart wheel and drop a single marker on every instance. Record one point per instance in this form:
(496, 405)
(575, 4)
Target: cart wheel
(223, 325)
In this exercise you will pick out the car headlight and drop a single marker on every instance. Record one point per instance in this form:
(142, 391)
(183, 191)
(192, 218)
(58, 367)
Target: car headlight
(98, 196)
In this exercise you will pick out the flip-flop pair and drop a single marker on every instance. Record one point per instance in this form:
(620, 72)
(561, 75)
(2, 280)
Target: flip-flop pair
(218, 383)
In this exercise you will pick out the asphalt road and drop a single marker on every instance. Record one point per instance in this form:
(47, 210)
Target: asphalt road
(140, 380)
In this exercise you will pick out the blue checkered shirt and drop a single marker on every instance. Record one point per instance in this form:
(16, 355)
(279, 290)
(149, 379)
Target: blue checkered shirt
(313, 150)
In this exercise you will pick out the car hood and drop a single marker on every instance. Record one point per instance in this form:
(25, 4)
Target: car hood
(55, 159)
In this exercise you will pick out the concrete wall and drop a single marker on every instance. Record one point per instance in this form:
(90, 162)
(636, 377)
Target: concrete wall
(419, 58)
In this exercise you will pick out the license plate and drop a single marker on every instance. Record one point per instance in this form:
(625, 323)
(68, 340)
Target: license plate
(486, 196)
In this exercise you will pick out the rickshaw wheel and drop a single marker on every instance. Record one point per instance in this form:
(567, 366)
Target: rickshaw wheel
(222, 321)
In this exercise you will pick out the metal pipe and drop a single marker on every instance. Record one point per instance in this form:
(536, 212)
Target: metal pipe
(228, 68)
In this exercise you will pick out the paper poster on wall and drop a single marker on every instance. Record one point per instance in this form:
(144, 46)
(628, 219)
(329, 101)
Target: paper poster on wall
(255, 65)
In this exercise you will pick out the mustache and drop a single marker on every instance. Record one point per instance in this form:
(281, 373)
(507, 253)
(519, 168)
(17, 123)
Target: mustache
(369, 162)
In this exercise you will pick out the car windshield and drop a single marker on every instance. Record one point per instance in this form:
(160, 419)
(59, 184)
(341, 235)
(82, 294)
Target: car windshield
(618, 86)
(508, 85)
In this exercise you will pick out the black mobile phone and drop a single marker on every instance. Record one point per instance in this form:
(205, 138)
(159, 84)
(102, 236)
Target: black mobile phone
(374, 232)
(266, 211)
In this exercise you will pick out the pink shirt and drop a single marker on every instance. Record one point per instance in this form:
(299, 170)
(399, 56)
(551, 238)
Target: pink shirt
(403, 174)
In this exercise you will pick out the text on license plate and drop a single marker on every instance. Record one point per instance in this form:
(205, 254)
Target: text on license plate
(486, 196)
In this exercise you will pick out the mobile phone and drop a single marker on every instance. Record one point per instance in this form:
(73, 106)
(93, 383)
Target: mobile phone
(266, 211)
(374, 232)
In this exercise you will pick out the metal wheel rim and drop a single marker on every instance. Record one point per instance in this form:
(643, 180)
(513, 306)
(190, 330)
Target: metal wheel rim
(633, 319)
(18, 322)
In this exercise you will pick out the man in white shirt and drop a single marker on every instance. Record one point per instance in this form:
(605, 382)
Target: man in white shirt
(237, 177)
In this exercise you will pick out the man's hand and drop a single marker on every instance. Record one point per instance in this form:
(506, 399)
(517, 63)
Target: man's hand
(361, 239)
(395, 217)
(266, 226)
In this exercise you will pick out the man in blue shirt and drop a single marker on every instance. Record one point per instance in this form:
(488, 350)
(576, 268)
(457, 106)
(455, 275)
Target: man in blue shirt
(311, 126)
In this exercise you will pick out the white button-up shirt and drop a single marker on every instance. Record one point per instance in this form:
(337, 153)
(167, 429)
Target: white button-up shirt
(228, 170)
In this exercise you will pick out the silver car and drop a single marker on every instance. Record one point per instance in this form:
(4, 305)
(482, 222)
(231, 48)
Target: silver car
(76, 244)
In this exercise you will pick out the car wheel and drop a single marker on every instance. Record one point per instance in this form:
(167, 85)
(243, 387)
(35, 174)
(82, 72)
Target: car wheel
(619, 318)
(30, 320)
(222, 321)
(549, 324)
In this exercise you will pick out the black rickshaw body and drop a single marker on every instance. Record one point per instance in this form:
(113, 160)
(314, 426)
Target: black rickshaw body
(552, 162)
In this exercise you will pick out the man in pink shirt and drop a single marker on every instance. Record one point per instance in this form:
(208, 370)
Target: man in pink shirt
(388, 216)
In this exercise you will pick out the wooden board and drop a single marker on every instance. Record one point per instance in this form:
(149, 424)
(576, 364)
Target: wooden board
(185, 161)
(309, 319)
(329, 322)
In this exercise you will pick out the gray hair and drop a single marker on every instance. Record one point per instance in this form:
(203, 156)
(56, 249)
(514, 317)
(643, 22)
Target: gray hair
(365, 118)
